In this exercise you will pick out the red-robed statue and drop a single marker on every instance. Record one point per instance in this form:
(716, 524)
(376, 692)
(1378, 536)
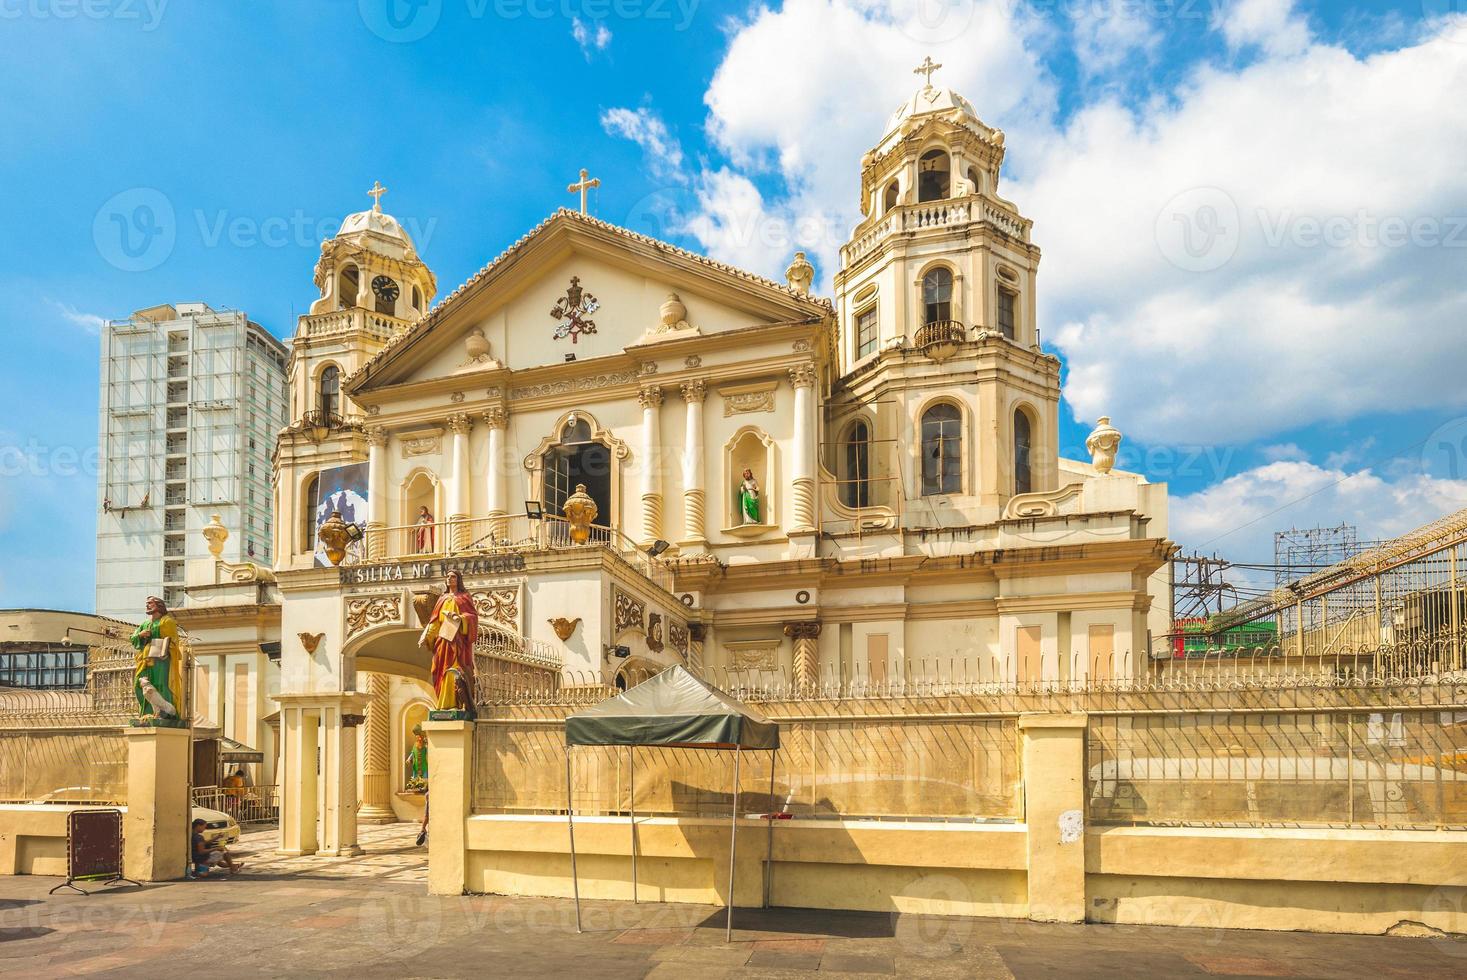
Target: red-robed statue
(450, 635)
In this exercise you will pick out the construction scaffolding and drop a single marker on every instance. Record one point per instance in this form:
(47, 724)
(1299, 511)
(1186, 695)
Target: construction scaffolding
(1400, 604)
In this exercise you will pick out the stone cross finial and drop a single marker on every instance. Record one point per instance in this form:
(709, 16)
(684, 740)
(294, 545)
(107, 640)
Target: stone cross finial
(586, 181)
(376, 195)
(926, 68)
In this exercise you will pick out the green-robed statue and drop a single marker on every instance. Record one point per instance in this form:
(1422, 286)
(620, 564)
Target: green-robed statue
(158, 679)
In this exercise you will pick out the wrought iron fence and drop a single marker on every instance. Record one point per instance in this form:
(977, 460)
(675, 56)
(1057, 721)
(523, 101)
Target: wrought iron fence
(247, 804)
(899, 768)
(1390, 768)
(63, 766)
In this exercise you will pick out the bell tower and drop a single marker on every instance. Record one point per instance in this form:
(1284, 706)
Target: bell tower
(936, 301)
(371, 287)
(372, 284)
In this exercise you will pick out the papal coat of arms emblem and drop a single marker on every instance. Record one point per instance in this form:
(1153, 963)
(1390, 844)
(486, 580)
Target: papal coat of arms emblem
(574, 310)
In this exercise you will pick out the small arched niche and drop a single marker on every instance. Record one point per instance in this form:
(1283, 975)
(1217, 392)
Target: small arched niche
(413, 715)
(889, 199)
(421, 536)
(751, 450)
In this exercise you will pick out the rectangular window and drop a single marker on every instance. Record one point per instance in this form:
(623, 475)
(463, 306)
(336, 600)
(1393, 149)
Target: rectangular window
(1006, 300)
(866, 332)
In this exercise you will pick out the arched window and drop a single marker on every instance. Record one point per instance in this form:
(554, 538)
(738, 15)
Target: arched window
(934, 176)
(347, 284)
(308, 515)
(1023, 436)
(889, 201)
(942, 450)
(856, 481)
(973, 179)
(937, 296)
(417, 299)
(329, 391)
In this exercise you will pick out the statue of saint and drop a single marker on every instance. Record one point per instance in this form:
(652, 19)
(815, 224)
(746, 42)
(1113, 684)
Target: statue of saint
(749, 498)
(450, 635)
(158, 678)
(417, 760)
(423, 532)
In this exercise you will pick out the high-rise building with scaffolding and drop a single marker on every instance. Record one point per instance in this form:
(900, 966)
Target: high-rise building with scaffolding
(191, 401)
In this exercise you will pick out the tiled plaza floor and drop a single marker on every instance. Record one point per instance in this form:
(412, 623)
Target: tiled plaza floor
(371, 917)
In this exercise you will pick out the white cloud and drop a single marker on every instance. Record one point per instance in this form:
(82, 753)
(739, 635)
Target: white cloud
(1272, 25)
(1329, 186)
(645, 128)
(1238, 516)
(1107, 34)
(1283, 451)
(590, 38)
(90, 322)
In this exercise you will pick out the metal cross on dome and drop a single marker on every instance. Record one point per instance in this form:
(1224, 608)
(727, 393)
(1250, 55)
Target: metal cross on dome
(926, 68)
(376, 194)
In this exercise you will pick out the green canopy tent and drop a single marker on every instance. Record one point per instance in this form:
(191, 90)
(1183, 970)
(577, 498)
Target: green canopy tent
(674, 709)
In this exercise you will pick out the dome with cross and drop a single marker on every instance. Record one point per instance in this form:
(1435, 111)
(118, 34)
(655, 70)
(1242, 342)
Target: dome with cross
(374, 219)
(934, 99)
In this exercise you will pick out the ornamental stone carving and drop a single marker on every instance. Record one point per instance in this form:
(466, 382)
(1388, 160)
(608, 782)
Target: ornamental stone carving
(496, 418)
(500, 606)
(672, 314)
(693, 391)
(590, 383)
(460, 424)
(366, 611)
(377, 435)
(677, 638)
(753, 654)
(748, 398)
(564, 627)
(626, 613)
(654, 632)
(421, 444)
(803, 376)
(650, 397)
(692, 361)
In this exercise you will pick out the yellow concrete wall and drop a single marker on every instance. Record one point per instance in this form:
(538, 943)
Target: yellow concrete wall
(33, 839)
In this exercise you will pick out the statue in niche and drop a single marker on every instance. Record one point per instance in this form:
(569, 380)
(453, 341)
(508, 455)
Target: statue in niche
(423, 532)
(749, 498)
(417, 761)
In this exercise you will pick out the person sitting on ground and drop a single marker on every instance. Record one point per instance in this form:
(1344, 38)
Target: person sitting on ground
(206, 858)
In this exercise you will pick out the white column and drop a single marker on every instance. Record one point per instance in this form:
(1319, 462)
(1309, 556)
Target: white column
(803, 379)
(694, 498)
(651, 401)
(496, 472)
(339, 721)
(458, 482)
(376, 491)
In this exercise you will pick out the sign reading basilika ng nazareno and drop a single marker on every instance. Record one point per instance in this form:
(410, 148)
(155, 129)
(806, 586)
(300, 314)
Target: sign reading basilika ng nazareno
(405, 571)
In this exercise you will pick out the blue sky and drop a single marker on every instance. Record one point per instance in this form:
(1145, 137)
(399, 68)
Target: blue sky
(1296, 379)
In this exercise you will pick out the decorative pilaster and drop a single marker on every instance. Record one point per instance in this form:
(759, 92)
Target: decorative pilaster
(458, 486)
(694, 502)
(807, 653)
(497, 420)
(377, 748)
(650, 399)
(376, 492)
(803, 380)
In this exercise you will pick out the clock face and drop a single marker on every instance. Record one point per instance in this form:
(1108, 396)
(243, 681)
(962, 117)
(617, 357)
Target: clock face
(385, 288)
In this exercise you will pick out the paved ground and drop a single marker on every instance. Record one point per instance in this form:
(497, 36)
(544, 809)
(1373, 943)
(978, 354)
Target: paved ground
(370, 917)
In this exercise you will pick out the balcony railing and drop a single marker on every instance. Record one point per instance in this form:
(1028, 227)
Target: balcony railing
(940, 334)
(948, 213)
(357, 320)
(500, 535)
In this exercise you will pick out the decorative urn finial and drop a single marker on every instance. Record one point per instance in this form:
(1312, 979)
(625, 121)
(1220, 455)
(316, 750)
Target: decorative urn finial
(673, 313)
(334, 533)
(1103, 444)
(476, 345)
(800, 274)
(580, 511)
(216, 534)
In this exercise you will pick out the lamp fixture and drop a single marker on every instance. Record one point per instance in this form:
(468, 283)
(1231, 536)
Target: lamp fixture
(658, 547)
(534, 510)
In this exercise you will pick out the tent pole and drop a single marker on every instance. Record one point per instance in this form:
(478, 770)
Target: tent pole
(733, 843)
(769, 848)
(632, 809)
(570, 822)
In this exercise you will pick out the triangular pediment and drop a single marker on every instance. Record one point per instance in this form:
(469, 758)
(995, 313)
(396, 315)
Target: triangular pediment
(576, 285)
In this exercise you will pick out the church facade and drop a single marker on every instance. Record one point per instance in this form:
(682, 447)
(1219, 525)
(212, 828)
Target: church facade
(860, 490)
